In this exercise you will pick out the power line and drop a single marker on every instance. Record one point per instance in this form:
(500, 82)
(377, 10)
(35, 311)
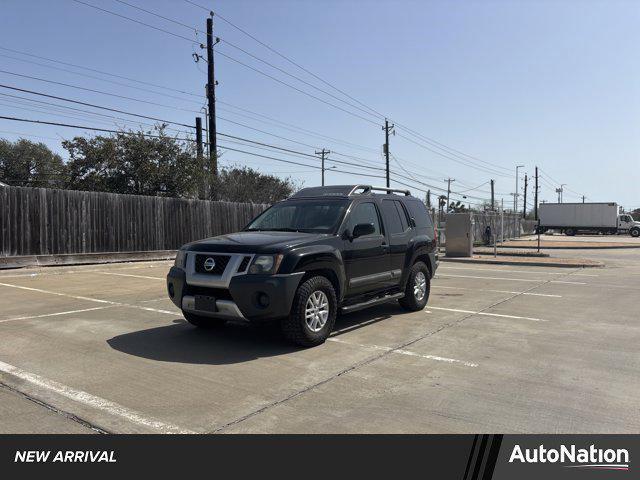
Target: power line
(234, 60)
(190, 40)
(466, 164)
(54, 107)
(78, 87)
(246, 52)
(100, 71)
(24, 90)
(102, 79)
(281, 55)
(275, 79)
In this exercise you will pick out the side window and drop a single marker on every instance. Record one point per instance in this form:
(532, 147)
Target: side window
(392, 221)
(365, 213)
(403, 216)
(419, 212)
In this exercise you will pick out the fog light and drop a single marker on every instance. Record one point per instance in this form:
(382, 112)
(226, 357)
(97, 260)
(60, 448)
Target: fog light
(263, 300)
(171, 291)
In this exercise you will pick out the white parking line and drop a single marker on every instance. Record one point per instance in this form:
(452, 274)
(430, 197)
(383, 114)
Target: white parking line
(501, 270)
(131, 275)
(91, 400)
(498, 291)
(568, 283)
(404, 352)
(431, 307)
(69, 312)
(77, 297)
(64, 271)
(505, 278)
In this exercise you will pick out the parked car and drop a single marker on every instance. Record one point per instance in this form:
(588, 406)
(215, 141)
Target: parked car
(324, 251)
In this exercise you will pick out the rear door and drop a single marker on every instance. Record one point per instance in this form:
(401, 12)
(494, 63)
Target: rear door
(366, 259)
(399, 236)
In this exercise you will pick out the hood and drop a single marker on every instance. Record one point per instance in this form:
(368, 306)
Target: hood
(253, 242)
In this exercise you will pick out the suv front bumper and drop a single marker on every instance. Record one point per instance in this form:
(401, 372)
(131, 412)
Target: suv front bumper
(241, 300)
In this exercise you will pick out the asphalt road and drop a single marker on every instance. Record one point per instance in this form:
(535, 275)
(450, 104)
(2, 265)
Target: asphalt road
(498, 349)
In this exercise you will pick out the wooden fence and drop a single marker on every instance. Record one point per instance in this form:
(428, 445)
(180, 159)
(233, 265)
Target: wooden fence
(41, 221)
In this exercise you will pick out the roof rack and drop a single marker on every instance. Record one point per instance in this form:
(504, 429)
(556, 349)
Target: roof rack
(369, 188)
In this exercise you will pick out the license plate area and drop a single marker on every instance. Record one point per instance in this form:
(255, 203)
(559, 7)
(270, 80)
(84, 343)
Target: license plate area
(205, 303)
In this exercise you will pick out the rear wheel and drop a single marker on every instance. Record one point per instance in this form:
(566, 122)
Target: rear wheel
(570, 232)
(202, 321)
(313, 313)
(418, 287)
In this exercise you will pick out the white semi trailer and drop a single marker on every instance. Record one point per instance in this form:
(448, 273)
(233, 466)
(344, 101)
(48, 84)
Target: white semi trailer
(572, 218)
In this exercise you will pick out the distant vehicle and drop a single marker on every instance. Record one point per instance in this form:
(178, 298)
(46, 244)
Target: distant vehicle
(323, 251)
(574, 218)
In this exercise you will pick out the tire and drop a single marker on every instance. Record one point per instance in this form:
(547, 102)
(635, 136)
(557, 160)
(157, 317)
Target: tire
(569, 232)
(414, 298)
(203, 322)
(635, 232)
(312, 293)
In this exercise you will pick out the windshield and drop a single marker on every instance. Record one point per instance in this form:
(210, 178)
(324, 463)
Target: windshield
(313, 216)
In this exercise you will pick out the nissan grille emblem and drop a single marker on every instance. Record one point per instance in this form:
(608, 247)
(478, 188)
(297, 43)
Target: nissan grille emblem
(209, 264)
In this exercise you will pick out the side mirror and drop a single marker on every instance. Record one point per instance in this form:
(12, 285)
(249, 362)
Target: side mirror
(362, 229)
(412, 222)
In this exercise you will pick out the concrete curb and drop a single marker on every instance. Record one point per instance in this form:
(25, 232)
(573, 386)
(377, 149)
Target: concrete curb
(83, 258)
(589, 247)
(488, 261)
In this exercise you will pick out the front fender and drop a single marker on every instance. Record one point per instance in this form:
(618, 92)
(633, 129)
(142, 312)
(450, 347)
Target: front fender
(316, 257)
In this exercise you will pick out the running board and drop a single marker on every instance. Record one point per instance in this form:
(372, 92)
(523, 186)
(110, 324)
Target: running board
(371, 303)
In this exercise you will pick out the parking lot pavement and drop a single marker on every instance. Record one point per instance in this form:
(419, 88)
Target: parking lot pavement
(498, 348)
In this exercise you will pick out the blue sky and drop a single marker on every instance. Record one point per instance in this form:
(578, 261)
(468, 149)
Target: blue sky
(548, 83)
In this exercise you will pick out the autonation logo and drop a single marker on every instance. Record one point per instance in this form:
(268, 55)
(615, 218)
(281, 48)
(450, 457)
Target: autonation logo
(588, 458)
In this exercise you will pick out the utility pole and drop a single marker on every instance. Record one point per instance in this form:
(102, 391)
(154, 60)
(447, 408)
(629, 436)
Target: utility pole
(199, 152)
(449, 180)
(493, 195)
(387, 129)
(428, 199)
(583, 197)
(211, 98)
(515, 198)
(323, 153)
(535, 206)
(524, 207)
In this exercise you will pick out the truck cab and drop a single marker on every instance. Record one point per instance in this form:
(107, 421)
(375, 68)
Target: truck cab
(626, 223)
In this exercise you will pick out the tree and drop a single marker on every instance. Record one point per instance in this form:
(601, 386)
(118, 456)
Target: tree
(244, 184)
(457, 207)
(27, 163)
(139, 163)
(636, 214)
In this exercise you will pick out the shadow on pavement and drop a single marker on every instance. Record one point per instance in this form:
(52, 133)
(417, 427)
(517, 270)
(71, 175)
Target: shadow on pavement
(234, 343)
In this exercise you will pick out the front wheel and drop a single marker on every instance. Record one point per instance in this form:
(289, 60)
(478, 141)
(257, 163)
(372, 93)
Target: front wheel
(418, 287)
(635, 232)
(313, 313)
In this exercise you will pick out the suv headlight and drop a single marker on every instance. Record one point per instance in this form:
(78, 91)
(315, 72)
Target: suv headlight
(181, 257)
(265, 264)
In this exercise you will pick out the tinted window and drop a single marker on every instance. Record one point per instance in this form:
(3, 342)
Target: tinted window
(403, 215)
(418, 211)
(365, 213)
(392, 222)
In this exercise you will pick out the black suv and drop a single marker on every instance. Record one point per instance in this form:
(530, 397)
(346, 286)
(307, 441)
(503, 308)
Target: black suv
(324, 250)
